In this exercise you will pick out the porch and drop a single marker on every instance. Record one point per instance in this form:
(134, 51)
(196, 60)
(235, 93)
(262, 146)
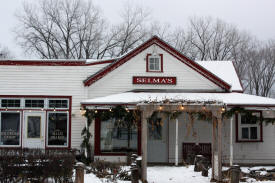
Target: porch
(211, 105)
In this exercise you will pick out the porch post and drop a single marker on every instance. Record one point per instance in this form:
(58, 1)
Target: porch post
(177, 143)
(144, 146)
(231, 141)
(219, 148)
(213, 146)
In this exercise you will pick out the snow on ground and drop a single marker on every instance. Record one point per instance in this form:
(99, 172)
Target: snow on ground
(170, 174)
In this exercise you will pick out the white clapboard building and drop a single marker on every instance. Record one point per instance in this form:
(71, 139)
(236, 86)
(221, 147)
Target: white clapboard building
(40, 103)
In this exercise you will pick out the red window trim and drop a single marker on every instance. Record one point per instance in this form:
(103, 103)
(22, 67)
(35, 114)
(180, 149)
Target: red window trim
(97, 151)
(46, 120)
(147, 63)
(237, 130)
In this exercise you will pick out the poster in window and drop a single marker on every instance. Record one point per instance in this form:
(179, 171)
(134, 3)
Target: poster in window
(10, 128)
(57, 129)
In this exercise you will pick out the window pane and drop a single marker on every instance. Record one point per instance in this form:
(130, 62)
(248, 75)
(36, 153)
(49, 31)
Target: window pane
(10, 128)
(58, 103)
(116, 138)
(34, 126)
(57, 129)
(244, 133)
(34, 103)
(152, 67)
(253, 133)
(155, 129)
(157, 64)
(248, 120)
(10, 103)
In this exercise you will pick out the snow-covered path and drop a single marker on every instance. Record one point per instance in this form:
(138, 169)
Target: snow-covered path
(168, 174)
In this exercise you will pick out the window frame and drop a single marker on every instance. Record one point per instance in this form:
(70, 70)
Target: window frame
(11, 98)
(239, 127)
(44, 99)
(97, 136)
(148, 56)
(48, 103)
(20, 127)
(47, 130)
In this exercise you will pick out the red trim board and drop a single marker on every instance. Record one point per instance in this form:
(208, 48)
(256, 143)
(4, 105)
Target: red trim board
(52, 63)
(155, 40)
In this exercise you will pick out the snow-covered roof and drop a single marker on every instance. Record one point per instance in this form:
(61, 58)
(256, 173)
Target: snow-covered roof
(226, 98)
(224, 70)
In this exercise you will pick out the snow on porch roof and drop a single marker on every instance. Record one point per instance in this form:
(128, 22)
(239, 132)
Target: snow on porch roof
(230, 99)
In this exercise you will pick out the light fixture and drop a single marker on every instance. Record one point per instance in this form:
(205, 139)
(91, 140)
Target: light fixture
(160, 107)
(55, 110)
(204, 107)
(6, 108)
(223, 109)
(42, 109)
(182, 107)
(110, 109)
(127, 109)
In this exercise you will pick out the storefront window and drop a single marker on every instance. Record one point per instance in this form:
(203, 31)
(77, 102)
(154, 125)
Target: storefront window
(57, 129)
(10, 128)
(115, 137)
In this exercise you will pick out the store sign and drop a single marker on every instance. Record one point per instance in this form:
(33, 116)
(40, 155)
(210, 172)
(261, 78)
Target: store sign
(154, 80)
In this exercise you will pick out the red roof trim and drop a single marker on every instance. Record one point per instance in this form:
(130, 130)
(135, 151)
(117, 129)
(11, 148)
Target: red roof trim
(52, 63)
(207, 74)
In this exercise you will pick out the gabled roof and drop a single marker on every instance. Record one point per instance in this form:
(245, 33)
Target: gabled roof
(156, 40)
(226, 71)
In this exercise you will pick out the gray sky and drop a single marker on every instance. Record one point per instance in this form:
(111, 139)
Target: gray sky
(254, 16)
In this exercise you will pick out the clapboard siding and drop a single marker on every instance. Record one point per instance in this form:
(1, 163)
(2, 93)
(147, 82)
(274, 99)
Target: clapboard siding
(50, 80)
(120, 79)
(244, 152)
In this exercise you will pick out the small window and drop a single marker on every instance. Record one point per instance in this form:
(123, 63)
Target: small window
(32, 103)
(154, 63)
(10, 103)
(58, 103)
(249, 127)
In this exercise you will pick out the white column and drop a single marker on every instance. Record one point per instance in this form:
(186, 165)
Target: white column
(231, 141)
(144, 147)
(177, 143)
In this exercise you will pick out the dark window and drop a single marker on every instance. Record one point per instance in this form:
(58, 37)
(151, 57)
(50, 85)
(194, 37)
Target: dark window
(10, 128)
(34, 124)
(245, 133)
(248, 119)
(57, 129)
(58, 103)
(115, 137)
(253, 133)
(34, 103)
(10, 103)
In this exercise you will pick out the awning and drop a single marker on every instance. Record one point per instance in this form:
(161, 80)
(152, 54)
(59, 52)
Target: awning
(230, 99)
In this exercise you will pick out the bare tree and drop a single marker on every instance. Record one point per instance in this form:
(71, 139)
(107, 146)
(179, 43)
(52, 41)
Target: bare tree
(61, 29)
(5, 53)
(133, 29)
(260, 77)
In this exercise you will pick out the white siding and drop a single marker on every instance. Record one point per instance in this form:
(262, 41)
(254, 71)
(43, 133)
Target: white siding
(50, 80)
(120, 79)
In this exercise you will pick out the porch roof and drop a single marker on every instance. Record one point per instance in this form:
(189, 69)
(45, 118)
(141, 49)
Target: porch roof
(230, 99)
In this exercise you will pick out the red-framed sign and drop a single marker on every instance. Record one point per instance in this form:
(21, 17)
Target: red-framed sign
(154, 80)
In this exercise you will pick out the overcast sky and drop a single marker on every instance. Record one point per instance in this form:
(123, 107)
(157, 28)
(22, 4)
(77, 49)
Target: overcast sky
(255, 16)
